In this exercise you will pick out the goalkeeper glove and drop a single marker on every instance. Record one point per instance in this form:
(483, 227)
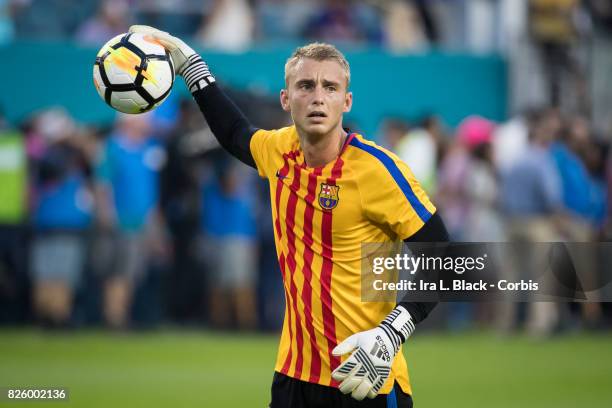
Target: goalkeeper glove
(187, 62)
(367, 368)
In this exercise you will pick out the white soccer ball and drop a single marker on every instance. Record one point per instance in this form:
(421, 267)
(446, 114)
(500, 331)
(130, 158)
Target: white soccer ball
(133, 73)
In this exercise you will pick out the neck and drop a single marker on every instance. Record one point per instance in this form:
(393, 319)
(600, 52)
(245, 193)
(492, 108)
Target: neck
(322, 149)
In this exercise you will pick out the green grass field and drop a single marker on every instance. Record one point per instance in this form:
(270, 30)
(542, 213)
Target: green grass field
(201, 369)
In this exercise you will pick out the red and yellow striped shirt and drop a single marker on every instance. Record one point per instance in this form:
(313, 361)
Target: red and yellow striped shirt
(321, 217)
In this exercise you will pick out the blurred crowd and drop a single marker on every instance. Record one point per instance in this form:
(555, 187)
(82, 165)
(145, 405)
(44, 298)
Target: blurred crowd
(132, 225)
(230, 25)
(234, 25)
(134, 220)
(542, 176)
(556, 48)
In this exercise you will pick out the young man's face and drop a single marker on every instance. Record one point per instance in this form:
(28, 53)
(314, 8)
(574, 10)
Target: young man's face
(316, 96)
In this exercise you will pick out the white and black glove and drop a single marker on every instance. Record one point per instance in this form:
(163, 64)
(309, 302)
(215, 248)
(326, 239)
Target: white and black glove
(366, 370)
(187, 62)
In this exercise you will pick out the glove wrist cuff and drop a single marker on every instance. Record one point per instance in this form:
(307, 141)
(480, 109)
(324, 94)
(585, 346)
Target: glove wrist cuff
(196, 73)
(400, 321)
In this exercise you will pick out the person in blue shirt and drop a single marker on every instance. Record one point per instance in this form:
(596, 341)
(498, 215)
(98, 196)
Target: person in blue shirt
(531, 199)
(230, 245)
(61, 214)
(584, 201)
(127, 197)
(582, 197)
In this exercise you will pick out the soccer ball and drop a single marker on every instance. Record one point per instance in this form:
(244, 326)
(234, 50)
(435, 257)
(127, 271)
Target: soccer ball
(133, 73)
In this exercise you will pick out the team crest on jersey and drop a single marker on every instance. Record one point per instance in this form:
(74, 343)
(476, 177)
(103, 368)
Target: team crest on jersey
(328, 197)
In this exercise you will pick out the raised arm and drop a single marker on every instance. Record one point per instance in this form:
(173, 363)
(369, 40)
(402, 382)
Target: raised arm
(229, 125)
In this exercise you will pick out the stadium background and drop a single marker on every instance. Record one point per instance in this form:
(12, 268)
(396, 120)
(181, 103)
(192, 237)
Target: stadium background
(462, 83)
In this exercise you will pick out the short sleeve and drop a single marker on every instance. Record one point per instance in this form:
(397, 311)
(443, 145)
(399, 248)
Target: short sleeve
(262, 146)
(392, 196)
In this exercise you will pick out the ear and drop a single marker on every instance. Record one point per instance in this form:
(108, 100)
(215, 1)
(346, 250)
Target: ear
(284, 100)
(348, 102)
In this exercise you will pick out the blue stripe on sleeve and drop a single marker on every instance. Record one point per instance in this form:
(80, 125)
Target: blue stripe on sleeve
(397, 175)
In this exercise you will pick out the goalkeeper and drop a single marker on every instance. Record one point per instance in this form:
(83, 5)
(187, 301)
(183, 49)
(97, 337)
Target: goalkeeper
(331, 190)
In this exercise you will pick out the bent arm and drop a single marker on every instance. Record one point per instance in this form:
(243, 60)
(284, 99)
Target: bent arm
(434, 230)
(229, 125)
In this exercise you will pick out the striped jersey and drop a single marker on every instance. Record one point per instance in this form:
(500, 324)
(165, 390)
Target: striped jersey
(321, 217)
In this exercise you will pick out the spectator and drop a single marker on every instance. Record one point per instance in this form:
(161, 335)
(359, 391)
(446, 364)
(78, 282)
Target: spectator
(595, 162)
(110, 20)
(608, 181)
(580, 196)
(404, 27)
(511, 140)
(339, 21)
(229, 26)
(179, 17)
(484, 222)
(531, 194)
(180, 201)
(229, 245)
(393, 131)
(452, 198)
(61, 216)
(13, 175)
(420, 150)
(535, 175)
(553, 26)
(13, 213)
(281, 20)
(130, 222)
(49, 19)
(464, 188)
(271, 294)
(583, 199)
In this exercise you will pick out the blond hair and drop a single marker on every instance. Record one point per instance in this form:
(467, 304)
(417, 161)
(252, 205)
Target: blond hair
(318, 52)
